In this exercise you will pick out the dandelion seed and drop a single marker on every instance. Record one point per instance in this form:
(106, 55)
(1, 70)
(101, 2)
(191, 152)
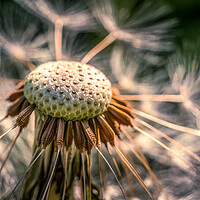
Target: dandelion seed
(72, 15)
(126, 68)
(22, 44)
(148, 37)
(183, 68)
(112, 172)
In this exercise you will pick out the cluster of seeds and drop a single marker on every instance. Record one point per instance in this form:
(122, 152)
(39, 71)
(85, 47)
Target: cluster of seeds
(69, 90)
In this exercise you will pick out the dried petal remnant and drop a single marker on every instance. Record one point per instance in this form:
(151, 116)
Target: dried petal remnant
(68, 90)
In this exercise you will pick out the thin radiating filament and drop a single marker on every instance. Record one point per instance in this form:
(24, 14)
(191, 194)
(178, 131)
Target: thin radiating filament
(195, 156)
(151, 97)
(146, 165)
(51, 176)
(29, 64)
(27, 170)
(112, 172)
(11, 147)
(161, 144)
(132, 169)
(167, 124)
(65, 180)
(4, 134)
(117, 167)
(84, 185)
(101, 177)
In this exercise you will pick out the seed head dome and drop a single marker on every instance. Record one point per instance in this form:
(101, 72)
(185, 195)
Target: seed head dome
(70, 90)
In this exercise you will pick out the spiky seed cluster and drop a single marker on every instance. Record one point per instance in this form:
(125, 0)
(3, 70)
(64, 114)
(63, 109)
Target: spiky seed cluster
(68, 90)
(86, 132)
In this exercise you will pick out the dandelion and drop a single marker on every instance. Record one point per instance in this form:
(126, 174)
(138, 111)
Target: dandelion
(77, 109)
(75, 95)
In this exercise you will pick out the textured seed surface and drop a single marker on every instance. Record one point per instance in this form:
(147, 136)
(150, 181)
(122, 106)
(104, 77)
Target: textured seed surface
(70, 90)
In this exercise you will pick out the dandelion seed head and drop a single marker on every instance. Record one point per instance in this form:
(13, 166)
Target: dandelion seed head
(69, 90)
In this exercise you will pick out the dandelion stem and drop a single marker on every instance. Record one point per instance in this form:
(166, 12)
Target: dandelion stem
(150, 97)
(51, 176)
(133, 170)
(195, 156)
(4, 134)
(112, 172)
(167, 124)
(11, 147)
(99, 47)
(58, 39)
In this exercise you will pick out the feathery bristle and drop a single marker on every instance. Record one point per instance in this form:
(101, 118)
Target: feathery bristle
(69, 135)
(49, 133)
(60, 132)
(105, 130)
(4, 134)
(112, 172)
(15, 107)
(12, 96)
(51, 176)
